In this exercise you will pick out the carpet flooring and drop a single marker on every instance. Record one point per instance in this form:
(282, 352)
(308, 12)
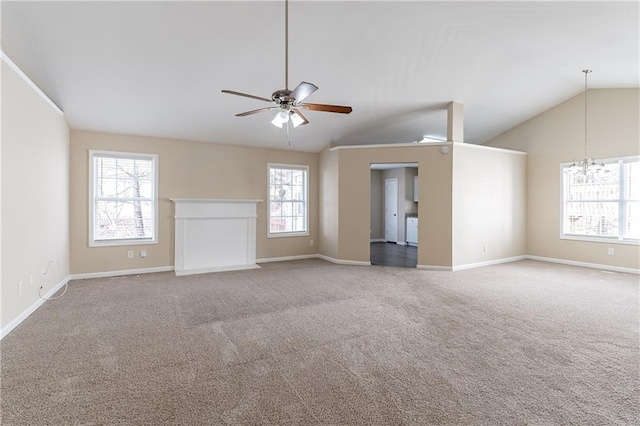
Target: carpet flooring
(313, 343)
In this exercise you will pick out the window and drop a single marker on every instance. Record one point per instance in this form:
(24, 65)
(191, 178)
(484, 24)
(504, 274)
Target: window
(122, 198)
(602, 206)
(288, 189)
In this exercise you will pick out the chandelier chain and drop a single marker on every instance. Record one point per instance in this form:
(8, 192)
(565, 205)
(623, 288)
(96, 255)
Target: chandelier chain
(586, 72)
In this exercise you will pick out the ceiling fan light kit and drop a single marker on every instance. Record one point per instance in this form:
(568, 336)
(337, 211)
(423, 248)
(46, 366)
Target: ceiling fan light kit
(289, 102)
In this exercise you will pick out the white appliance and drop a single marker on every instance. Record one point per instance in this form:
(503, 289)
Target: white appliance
(412, 231)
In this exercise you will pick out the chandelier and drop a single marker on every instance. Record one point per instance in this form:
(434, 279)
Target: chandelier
(587, 164)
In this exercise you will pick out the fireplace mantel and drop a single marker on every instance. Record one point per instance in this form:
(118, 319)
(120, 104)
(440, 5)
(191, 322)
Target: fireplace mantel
(214, 235)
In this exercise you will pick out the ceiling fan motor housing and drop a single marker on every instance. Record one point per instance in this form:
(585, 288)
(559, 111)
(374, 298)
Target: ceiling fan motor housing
(282, 97)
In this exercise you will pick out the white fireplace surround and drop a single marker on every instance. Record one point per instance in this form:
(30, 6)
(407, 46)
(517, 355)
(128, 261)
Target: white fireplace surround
(214, 235)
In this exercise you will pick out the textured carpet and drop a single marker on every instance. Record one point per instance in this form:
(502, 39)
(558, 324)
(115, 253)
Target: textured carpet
(309, 342)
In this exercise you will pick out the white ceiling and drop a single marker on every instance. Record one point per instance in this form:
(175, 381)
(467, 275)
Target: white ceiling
(157, 68)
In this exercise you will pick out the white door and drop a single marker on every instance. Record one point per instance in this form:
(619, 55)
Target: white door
(391, 210)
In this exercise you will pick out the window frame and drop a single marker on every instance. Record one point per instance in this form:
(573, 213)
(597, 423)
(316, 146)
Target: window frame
(621, 201)
(305, 168)
(128, 241)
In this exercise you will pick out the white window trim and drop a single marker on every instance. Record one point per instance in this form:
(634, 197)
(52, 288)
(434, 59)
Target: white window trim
(594, 239)
(306, 203)
(127, 242)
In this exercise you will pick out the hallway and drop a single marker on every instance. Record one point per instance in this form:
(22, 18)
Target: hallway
(391, 254)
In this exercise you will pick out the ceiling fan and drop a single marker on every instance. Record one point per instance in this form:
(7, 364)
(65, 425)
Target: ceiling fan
(289, 102)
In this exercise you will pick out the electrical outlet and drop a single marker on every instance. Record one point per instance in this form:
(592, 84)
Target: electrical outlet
(20, 288)
(143, 253)
(610, 252)
(485, 248)
(130, 254)
(311, 242)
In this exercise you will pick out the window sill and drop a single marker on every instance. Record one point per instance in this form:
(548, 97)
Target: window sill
(117, 243)
(605, 240)
(288, 234)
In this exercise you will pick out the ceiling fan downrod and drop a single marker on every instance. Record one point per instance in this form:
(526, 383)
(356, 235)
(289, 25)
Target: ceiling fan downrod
(286, 45)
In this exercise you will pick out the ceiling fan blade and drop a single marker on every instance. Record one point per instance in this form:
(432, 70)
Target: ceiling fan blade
(255, 111)
(327, 108)
(303, 120)
(231, 92)
(303, 90)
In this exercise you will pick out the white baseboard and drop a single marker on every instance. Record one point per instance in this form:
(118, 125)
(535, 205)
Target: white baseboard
(378, 240)
(585, 264)
(217, 269)
(120, 273)
(285, 258)
(401, 243)
(434, 268)
(344, 262)
(488, 263)
(31, 309)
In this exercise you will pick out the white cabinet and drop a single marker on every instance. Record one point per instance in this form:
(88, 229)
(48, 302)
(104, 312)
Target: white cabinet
(412, 231)
(415, 188)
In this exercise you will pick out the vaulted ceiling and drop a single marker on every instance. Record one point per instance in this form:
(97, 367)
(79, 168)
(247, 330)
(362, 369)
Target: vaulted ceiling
(158, 68)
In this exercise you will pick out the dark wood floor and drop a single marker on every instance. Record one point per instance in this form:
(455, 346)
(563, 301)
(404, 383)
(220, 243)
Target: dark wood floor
(392, 254)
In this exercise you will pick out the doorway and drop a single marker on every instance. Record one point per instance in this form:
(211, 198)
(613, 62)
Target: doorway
(392, 202)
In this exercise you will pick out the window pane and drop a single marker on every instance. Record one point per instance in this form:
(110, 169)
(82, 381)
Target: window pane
(276, 209)
(632, 225)
(592, 218)
(146, 188)
(280, 224)
(297, 192)
(287, 209)
(632, 181)
(595, 186)
(106, 187)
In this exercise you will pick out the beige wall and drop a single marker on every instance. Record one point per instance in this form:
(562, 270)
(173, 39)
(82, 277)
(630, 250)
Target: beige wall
(489, 204)
(377, 205)
(328, 204)
(35, 196)
(434, 239)
(557, 136)
(186, 170)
